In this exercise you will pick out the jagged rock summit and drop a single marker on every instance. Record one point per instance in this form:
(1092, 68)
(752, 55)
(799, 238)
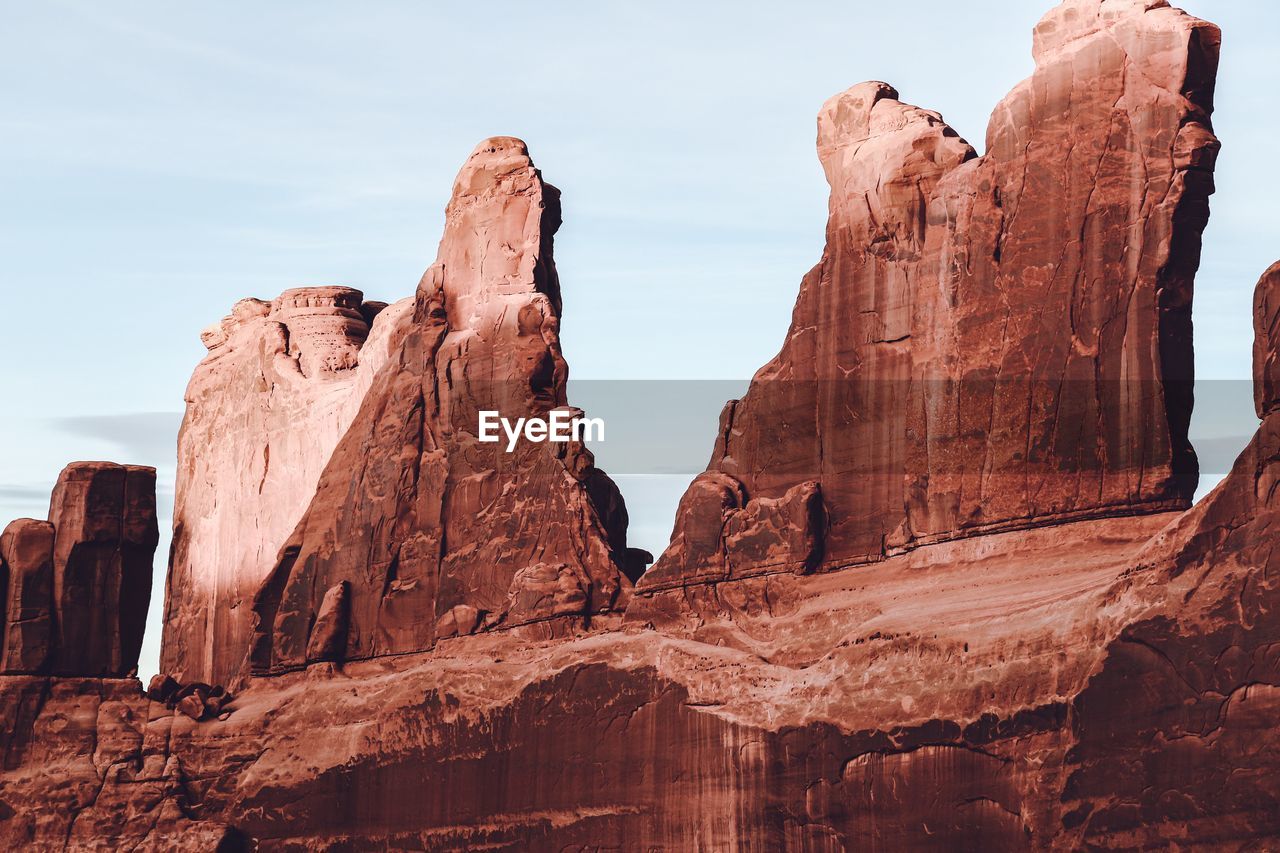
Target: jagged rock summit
(1019, 638)
(419, 531)
(281, 384)
(988, 342)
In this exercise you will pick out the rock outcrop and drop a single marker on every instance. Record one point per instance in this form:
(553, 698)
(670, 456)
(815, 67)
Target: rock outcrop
(1175, 737)
(76, 587)
(434, 532)
(988, 342)
(281, 384)
(1266, 343)
(1063, 673)
(26, 581)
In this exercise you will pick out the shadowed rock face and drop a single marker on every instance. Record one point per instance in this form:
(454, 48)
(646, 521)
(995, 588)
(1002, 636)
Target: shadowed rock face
(26, 561)
(281, 384)
(76, 588)
(105, 535)
(1077, 683)
(988, 342)
(434, 532)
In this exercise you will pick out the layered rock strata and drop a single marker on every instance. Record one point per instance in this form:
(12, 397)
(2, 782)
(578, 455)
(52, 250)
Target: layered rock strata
(419, 530)
(26, 578)
(282, 382)
(988, 342)
(1072, 683)
(1099, 684)
(76, 587)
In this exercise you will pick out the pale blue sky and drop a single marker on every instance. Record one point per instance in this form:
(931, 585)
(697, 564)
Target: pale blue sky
(159, 161)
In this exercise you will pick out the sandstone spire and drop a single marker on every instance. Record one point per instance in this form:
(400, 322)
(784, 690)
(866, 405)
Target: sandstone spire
(419, 531)
(281, 383)
(988, 342)
(75, 589)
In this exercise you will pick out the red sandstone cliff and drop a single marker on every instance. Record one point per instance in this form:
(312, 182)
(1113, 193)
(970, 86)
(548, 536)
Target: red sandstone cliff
(988, 342)
(418, 530)
(75, 589)
(281, 384)
(1019, 669)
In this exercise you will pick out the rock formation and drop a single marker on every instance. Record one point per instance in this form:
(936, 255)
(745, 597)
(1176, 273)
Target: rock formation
(282, 382)
(988, 342)
(1266, 349)
(433, 532)
(1031, 668)
(76, 587)
(26, 581)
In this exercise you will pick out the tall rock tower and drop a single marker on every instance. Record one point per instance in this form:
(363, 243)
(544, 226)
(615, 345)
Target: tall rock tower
(280, 385)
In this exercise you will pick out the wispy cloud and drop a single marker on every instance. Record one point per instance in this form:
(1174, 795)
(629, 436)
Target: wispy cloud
(143, 437)
(12, 493)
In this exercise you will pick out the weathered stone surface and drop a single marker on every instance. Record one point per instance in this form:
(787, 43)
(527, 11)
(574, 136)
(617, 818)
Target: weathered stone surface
(76, 588)
(1067, 687)
(415, 513)
(282, 382)
(87, 766)
(997, 341)
(26, 581)
(1083, 683)
(104, 518)
(720, 535)
(1266, 343)
(1053, 353)
(329, 633)
(1176, 738)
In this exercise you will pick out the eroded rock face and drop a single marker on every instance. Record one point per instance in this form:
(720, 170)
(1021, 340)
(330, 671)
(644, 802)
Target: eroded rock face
(104, 518)
(434, 532)
(1083, 683)
(282, 382)
(1266, 343)
(76, 587)
(988, 342)
(1053, 353)
(26, 576)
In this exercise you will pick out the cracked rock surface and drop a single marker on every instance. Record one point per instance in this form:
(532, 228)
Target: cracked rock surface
(989, 342)
(434, 532)
(878, 626)
(280, 386)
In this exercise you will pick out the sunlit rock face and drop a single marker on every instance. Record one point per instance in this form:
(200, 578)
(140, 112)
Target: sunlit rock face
(988, 342)
(438, 661)
(281, 383)
(435, 533)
